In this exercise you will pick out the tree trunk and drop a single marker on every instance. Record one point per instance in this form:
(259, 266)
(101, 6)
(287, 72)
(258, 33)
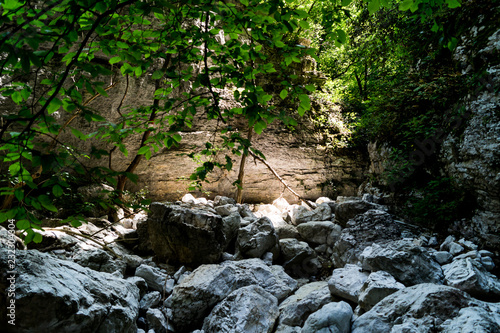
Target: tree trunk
(241, 175)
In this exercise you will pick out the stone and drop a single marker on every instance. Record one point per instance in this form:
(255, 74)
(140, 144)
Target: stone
(298, 258)
(470, 276)
(256, 238)
(486, 253)
(433, 242)
(474, 319)
(321, 213)
(298, 214)
(319, 232)
(189, 198)
(442, 257)
(140, 283)
(193, 299)
(248, 309)
(378, 286)
(99, 260)
(471, 254)
(154, 277)
(156, 321)
(408, 263)
(150, 300)
(226, 210)
(455, 248)
(307, 299)
(331, 318)
(374, 226)
(347, 282)
(185, 236)
(467, 244)
(222, 200)
(54, 295)
(352, 208)
(445, 246)
(488, 263)
(422, 308)
(231, 225)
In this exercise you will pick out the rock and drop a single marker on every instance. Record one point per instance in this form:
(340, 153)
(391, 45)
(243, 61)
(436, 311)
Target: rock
(488, 263)
(189, 199)
(455, 248)
(374, 226)
(221, 200)
(470, 276)
(54, 295)
(467, 244)
(331, 318)
(99, 260)
(281, 204)
(226, 210)
(474, 319)
(433, 241)
(319, 232)
(156, 321)
(471, 254)
(298, 258)
(193, 299)
(352, 208)
(143, 246)
(185, 236)
(248, 309)
(140, 283)
(347, 282)
(256, 238)
(150, 300)
(321, 213)
(421, 308)
(446, 244)
(285, 229)
(307, 299)
(408, 263)
(298, 214)
(154, 277)
(442, 257)
(378, 286)
(486, 253)
(321, 200)
(231, 225)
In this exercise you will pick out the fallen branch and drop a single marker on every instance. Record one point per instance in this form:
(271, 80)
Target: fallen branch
(279, 178)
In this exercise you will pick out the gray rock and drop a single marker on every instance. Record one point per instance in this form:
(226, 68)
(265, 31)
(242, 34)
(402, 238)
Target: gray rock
(302, 215)
(298, 258)
(433, 241)
(471, 254)
(256, 238)
(284, 229)
(474, 319)
(442, 257)
(193, 299)
(352, 208)
(54, 295)
(470, 276)
(421, 308)
(331, 318)
(140, 283)
(226, 210)
(231, 225)
(221, 200)
(185, 236)
(150, 300)
(467, 244)
(374, 226)
(488, 263)
(347, 282)
(446, 244)
(455, 248)
(248, 309)
(378, 286)
(99, 260)
(408, 263)
(319, 232)
(486, 253)
(156, 321)
(154, 277)
(307, 299)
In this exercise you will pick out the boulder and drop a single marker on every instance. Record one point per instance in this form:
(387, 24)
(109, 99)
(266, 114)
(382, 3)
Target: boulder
(344, 211)
(378, 286)
(256, 238)
(300, 214)
(185, 236)
(307, 299)
(150, 300)
(99, 260)
(154, 277)
(298, 258)
(422, 308)
(470, 276)
(284, 229)
(248, 309)
(331, 318)
(374, 226)
(347, 282)
(193, 299)
(475, 319)
(408, 263)
(221, 200)
(156, 321)
(54, 295)
(316, 232)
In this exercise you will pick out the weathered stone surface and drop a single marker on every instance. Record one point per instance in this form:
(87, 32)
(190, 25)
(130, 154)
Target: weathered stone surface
(350, 209)
(374, 226)
(99, 260)
(156, 321)
(150, 300)
(307, 299)
(319, 232)
(153, 276)
(186, 236)
(298, 258)
(378, 286)
(54, 295)
(248, 309)
(475, 319)
(301, 214)
(331, 318)
(347, 282)
(442, 257)
(256, 238)
(284, 229)
(470, 276)
(421, 308)
(198, 293)
(408, 263)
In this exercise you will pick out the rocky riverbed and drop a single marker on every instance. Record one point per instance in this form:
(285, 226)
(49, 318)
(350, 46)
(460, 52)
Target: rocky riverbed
(198, 265)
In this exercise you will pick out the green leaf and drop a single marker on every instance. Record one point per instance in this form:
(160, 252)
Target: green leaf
(54, 105)
(114, 60)
(284, 94)
(37, 238)
(346, 2)
(57, 190)
(279, 43)
(157, 75)
(16, 97)
(405, 5)
(310, 87)
(177, 137)
(373, 6)
(385, 3)
(342, 37)
(304, 24)
(143, 150)
(23, 224)
(47, 203)
(260, 126)
(7, 215)
(245, 2)
(453, 3)
(14, 168)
